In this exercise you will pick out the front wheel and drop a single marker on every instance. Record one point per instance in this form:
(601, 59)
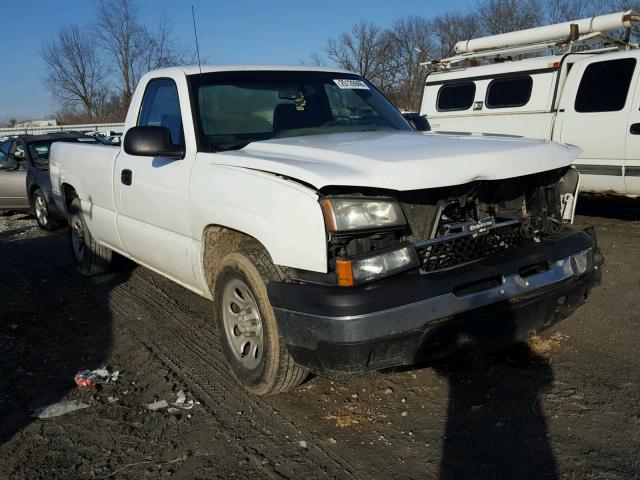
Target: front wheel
(41, 210)
(247, 326)
(92, 258)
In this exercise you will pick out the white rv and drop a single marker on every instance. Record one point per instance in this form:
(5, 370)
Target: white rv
(587, 94)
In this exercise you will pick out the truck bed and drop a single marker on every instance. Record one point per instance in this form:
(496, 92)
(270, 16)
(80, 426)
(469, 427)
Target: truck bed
(90, 169)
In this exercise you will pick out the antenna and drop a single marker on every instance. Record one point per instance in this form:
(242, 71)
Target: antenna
(200, 133)
(195, 33)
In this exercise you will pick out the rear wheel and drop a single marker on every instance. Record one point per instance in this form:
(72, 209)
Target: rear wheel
(248, 329)
(41, 210)
(92, 257)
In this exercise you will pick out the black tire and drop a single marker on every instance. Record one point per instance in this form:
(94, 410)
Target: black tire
(92, 258)
(41, 211)
(276, 370)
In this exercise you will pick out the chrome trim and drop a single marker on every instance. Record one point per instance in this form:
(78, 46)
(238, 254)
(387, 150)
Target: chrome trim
(466, 232)
(417, 315)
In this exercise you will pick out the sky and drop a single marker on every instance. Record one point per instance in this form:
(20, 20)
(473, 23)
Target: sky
(230, 32)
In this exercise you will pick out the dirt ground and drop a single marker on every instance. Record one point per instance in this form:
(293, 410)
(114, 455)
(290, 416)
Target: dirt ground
(565, 406)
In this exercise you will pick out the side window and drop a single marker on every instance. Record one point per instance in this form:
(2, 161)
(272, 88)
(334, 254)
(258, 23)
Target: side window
(509, 92)
(604, 86)
(455, 96)
(17, 152)
(4, 151)
(161, 107)
(39, 153)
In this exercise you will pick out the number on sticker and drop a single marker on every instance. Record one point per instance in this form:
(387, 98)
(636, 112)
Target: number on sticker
(350, 83)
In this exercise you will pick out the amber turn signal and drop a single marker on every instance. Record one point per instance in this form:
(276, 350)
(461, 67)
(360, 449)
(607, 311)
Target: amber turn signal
(344, 272)
(327, 211)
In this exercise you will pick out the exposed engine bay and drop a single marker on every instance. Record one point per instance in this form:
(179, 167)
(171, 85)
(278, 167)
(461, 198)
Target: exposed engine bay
(454, 225)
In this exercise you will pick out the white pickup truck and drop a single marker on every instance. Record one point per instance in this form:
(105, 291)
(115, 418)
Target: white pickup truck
(588, 95)
(331, 236)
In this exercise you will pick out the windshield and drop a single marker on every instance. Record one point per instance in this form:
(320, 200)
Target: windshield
(237, 108)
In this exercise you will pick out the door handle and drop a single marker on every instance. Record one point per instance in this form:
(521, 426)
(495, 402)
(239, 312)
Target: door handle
(634, 129)
(126, 176)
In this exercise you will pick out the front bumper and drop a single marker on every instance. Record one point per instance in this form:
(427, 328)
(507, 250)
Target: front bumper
(413, 318)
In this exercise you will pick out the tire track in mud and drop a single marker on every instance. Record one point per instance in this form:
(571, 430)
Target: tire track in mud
(189, 348)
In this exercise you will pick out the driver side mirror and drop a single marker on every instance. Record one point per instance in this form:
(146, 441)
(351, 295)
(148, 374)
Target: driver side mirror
(417, 121)
(151, 141)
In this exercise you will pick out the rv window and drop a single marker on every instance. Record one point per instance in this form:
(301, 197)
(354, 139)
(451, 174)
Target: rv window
(604, 86)
(509, 92)
(456, 96)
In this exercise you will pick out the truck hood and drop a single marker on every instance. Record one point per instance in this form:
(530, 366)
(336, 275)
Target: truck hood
(399, 160)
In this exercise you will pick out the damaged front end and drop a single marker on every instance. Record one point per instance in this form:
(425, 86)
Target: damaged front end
(420, 275)
(452, 226)
(456, 225)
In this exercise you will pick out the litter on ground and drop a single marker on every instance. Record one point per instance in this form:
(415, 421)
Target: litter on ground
(157, 405)
(90, 378)
(182, 401)
(60, 408)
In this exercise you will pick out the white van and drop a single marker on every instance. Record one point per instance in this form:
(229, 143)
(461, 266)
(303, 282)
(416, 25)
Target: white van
(589, 98)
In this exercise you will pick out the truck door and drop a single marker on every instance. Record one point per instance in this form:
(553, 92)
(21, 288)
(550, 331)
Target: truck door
(632, 161)
(152, 192)
(594, 113)
(13, 176)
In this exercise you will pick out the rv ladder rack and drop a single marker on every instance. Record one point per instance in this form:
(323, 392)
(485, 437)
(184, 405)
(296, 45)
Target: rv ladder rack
(595, 42)
(586, 34)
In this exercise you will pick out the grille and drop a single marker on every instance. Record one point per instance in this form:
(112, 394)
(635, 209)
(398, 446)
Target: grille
(421, 219)
(446, 252)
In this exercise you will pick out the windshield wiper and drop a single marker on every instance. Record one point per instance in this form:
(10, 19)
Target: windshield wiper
(372, 129)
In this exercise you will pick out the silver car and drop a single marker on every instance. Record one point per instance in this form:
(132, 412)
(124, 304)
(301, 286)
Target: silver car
(13, 172)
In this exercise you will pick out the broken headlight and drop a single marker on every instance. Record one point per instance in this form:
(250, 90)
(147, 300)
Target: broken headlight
(582, 261)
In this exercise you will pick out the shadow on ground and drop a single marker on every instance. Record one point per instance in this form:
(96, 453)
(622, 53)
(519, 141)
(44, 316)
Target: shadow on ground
(495, 425)
(621, 208)
(48, 331)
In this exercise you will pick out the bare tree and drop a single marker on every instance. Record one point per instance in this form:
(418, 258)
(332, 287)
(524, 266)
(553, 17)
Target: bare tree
(10, 123)
(617, 5)
(316, 60)
(133, 48)
(120, 33)
(413, 40)
(391, 58)
(501, 16)
(367, 50)
(614, 5)
(453, 27)
(110, 110)
(75, 71)
(557, 11)
(161, 50)
(564, 10)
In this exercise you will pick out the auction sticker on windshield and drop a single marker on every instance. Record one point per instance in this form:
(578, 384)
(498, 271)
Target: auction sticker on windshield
(351, 83)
